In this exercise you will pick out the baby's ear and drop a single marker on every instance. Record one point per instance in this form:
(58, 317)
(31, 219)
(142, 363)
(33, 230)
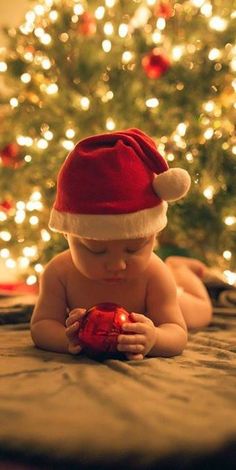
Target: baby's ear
(65, 235)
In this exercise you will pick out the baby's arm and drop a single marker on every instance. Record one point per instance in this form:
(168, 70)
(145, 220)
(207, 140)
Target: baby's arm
(163, 331)
(163, 309)
(48, 319)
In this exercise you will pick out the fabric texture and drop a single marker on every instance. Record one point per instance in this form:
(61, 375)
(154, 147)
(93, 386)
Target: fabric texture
(115, 185)
(163, 413)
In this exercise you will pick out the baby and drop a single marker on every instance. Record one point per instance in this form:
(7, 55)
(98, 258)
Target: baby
(111, 203)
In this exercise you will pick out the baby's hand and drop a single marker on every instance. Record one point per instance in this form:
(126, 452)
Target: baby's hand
(72, 328)
(140, 339)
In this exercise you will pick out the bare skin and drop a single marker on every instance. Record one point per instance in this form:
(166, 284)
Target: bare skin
(126, 272)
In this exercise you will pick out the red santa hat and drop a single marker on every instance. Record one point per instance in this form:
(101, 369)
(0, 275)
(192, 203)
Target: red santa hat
(115, 186)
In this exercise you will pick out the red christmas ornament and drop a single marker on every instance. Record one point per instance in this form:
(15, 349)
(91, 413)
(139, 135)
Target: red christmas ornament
(6, 205)
(155, 64)
(100, 327)
(87, 24)
(164, 10)
(10, 155)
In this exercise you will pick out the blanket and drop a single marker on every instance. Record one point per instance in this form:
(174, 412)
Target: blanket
(68, 412)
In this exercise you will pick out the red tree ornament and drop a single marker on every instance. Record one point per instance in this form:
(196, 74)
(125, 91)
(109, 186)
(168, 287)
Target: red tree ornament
(6, 205)
(87, 24)
(163, 10)
(100, 327)
(10, 155)
(155, 64)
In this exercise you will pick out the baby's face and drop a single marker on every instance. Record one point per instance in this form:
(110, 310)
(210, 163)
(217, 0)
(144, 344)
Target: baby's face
(111, 261)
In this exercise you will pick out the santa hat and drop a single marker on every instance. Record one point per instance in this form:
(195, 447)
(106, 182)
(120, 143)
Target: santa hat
(115, 186)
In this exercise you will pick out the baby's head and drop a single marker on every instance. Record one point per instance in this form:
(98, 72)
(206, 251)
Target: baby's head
(115, 186)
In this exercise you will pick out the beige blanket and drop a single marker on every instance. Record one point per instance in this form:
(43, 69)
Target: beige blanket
(73, 412)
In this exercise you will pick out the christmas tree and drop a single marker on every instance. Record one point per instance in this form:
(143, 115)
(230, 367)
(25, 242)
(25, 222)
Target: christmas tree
(77, 68)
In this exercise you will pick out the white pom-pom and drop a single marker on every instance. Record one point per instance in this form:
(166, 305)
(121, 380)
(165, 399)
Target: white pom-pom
(172, 184)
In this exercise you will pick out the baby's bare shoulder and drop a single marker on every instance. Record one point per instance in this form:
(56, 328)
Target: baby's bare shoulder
(159, 274)
(59, 265)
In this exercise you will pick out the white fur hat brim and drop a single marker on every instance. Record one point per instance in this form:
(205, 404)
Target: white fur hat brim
(111, 227)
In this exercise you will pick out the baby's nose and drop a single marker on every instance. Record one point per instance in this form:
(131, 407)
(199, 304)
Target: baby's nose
(115, 265)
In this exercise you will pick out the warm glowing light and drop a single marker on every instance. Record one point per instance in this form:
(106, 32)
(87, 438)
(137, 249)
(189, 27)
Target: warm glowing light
(108, 28)
(42, 144)
(161, 24)
(3, 216)
(181, 129)
(68, 144)
(170, 157)
(152, 102)
(123, 30)
(189, 157)
(230, 220)
(218, 23)
(78, 9)
(46, 63)
(214, 54)
(36, 196)
(52, 89)
(20, 205)
(39, 32)
(48, 135)
(230, 276)
(209, 192)
(156, 36)
(197, 3)
(31, 280)
(99, 13)
(177, 52)
(85, 103)
(45, 235)
(5, 236)
(38, 268)
(14, 102)
(227, 255)
(30, 251)
(39, 10)
(3, 66)
(209, 106)
(70, 133)
(110, 3)
(4, 253)
(19, 217)
(30, 16)
(45, 39)
(34, 220)
(127, 56)
(28, 158)
(53, 15)
(110, 124)
(208, 133)
(206, 9)
(106, 45)
(10, 263)
(23, 262)
(25, 77)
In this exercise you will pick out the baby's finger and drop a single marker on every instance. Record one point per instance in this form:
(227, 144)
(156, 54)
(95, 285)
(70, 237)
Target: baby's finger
(138, 328)
(75, 315)
(139, 317)
(133, 348)
(134, 357)
(72, 329)
(74, 348)
(131, 339)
